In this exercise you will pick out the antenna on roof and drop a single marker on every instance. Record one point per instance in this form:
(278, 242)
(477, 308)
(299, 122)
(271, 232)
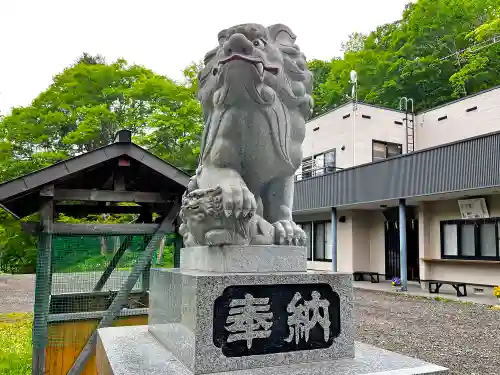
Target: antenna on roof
(354, 92)
(354, 96)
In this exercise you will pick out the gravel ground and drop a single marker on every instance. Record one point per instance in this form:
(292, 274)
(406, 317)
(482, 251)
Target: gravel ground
(463, 337)
(17, 293)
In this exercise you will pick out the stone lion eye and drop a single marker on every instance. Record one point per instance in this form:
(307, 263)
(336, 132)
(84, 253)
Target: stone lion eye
(257, 43)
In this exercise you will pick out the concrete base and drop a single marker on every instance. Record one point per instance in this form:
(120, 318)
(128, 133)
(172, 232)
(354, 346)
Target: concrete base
(133, 351)
(181, 317)
(253, 258)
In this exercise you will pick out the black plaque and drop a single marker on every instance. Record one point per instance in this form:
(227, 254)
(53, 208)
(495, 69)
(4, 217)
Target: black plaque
(301, 327)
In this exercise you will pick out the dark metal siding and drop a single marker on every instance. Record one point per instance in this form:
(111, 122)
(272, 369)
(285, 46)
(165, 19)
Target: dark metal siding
(469, 164)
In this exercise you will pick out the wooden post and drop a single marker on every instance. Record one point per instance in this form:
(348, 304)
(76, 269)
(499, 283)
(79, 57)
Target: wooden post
(43, 286)
(146, 217)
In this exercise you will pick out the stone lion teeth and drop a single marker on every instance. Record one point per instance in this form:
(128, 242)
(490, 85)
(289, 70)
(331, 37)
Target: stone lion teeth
(260, 68)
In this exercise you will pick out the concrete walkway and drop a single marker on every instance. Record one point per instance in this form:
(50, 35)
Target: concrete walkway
(446, 291)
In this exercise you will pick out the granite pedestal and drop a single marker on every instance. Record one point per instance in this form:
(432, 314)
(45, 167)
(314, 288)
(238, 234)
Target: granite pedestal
(289, 321)
(181, 316)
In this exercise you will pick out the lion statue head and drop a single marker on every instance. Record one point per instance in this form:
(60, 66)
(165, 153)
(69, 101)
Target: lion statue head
(263, 68)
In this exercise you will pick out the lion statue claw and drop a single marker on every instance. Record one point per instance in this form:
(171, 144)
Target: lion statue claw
(255, 90)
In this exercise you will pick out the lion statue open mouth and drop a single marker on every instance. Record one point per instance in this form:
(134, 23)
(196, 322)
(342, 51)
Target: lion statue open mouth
(255, 90)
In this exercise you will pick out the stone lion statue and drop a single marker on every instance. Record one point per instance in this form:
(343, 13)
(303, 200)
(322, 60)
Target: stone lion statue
(255, 90)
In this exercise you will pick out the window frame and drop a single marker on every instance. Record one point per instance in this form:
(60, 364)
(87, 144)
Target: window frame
(312, 239)
(386, 145)
(477, 238)
(311, 170)
(313, 250)
(325, 166)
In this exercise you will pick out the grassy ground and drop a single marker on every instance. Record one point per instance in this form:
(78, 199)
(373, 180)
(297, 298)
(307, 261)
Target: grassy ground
(15, 343)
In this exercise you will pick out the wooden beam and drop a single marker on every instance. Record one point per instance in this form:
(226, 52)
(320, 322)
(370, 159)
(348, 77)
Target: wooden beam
(100, 229)
(82, 210)
(103, 195)
(112, 264)
(146, 217)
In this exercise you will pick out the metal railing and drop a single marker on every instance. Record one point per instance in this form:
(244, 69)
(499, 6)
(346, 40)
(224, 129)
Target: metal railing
(303, 174)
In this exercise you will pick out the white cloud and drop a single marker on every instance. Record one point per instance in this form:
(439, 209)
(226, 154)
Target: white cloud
(38, 39)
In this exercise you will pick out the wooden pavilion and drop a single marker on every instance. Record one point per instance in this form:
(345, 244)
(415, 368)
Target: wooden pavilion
(94, 183)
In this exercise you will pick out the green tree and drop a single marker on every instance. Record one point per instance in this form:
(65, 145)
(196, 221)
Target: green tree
(320, 70)
(90, 101)
(435, 53)
(82, 110)
(175, 134)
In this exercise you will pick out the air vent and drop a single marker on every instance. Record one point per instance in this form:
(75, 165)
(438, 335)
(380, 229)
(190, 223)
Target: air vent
(442, 118)
(471, 109)
(346, 116)
(398, 122)
(366, 116)
(316, 128)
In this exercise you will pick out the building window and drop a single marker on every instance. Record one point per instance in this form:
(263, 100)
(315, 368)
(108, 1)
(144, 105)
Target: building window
(323, 241)
(449, 239)
(318, 165)
(330, 161)
(470, 239)
(319, 240)
(383, 150)
(487, 240)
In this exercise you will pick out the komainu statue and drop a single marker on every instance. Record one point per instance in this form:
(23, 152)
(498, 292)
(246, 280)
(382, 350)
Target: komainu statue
(255, 91)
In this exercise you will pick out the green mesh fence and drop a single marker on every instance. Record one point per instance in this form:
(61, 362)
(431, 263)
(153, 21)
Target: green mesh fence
(87, 271)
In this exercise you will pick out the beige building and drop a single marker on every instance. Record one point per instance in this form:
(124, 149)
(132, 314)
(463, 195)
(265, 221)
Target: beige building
(363, 165)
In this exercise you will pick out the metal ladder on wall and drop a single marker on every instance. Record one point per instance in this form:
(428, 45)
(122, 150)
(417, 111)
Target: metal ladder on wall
(409, 122)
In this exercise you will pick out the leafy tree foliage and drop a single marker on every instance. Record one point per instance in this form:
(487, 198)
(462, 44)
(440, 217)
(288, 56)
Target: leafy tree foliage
(82, 110)
(90, 101)
(437, 52)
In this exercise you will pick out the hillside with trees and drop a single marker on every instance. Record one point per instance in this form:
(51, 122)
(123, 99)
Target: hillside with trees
(438, 51)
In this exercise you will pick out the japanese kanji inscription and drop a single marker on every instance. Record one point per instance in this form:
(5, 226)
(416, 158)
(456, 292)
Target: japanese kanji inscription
(266, 319)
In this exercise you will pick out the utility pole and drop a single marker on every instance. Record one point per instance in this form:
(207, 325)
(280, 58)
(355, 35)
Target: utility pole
(354, 96)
